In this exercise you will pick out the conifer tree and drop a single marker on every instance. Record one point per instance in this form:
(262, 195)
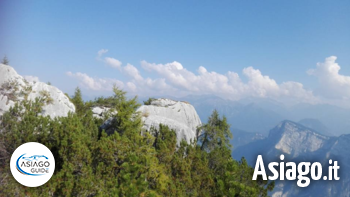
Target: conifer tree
(215, 133)
(149, 101)
(127, 120)
(127, 162)
(77, 100)
(5, 60)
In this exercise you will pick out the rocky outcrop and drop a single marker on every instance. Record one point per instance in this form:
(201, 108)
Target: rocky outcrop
(106, 114)
(101, 112)
(14, 88)
(178, 115)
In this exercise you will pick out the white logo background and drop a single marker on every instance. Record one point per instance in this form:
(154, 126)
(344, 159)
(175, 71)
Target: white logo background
(29, 149)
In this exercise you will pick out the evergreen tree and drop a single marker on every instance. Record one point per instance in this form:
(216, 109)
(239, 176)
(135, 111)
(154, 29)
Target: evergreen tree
(77, 100)
(127, 120)
(22, 123)
(5, 60)
(127, 162)
(149, 101)
(215, 133)
(213, 138)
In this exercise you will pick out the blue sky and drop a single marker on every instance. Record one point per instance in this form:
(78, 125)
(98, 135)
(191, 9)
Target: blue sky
(281, 39)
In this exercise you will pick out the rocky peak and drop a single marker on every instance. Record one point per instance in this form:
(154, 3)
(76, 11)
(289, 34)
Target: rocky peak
(178, 115)
(14, 88)
(295, 139)
(300, 143)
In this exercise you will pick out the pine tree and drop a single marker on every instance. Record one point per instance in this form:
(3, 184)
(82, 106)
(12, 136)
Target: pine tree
(127, 162)
(231, 178)
(77, 100)
(215, 133)
(22, 123)
(149, 101)
(5, 60)
(127, 120)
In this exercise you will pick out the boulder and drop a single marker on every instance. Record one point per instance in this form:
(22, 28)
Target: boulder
(14, 88)
(101, 112)
(178, 115)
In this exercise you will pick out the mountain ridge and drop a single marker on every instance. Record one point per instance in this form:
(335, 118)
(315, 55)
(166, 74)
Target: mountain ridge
(299, 143)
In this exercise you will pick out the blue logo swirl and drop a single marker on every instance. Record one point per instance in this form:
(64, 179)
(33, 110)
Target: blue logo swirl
(31, 158)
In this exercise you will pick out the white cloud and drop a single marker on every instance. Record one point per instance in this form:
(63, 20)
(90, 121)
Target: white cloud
(112, 62)
(173, 79)
(99, 84)
(31, 78)
(332, 84)
(260, 85)
(131, 86)
(145, 86)
(132, 72)
(101, 52)
(228, 85)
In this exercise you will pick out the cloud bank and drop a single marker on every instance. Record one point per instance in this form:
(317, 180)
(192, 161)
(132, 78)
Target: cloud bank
(173, 79)
(333, 84)
(97, 84)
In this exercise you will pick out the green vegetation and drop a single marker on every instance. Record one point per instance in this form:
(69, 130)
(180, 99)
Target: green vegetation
(77, 100)
(127, 162)
(45, 95)
(149, 101)
(5, 61)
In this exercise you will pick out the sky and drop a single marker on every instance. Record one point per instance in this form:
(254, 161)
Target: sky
(290, 51)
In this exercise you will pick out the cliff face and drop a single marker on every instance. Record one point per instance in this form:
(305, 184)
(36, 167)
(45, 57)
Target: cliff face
(294, 139)
(180, 116)
(14, 88)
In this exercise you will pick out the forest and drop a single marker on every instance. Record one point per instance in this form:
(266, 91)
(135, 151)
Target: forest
(127, 162)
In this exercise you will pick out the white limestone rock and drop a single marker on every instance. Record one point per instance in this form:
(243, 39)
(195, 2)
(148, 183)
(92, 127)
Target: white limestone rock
(295, 139)
(178, 115)
(14, 88)
(101, 112)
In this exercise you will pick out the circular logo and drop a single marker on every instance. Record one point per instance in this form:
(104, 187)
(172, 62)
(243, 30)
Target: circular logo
(32, 164)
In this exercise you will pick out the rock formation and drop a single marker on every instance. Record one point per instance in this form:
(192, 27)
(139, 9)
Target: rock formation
(101, 112)
(178, 115)
(14, 88)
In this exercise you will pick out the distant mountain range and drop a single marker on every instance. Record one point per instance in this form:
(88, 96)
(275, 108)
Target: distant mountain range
(260, 115)
(315, 125)
(304, 132)
(243, 137)
(299, 143)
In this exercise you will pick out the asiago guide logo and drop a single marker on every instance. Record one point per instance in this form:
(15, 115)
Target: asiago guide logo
(32, 164)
